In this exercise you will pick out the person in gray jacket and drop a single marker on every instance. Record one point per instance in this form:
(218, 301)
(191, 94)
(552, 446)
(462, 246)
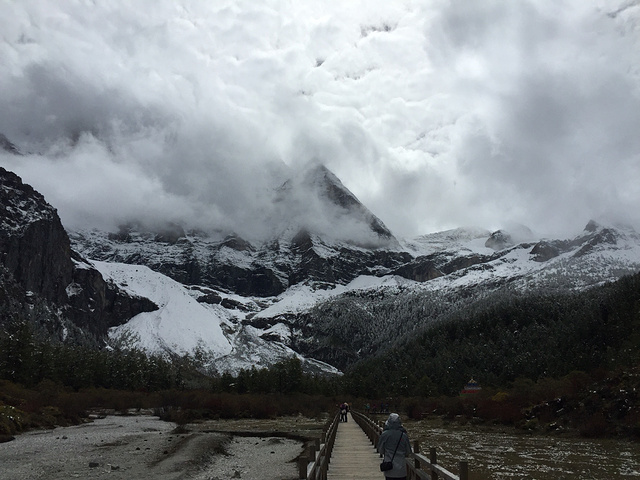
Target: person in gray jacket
(394, 438)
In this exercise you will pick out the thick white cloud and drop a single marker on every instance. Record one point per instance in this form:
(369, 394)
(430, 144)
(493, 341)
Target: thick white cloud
(435, 113)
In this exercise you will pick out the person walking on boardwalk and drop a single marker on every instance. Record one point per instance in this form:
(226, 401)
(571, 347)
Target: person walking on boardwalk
(344, 409)
(394, 446)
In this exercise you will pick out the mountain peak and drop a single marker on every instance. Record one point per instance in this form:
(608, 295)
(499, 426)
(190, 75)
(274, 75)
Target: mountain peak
(329, 185)
(318, 202)
(22, 205)
(592, 226)
(623, 229)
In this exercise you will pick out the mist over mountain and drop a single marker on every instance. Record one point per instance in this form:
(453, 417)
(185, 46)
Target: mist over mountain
(318, 202)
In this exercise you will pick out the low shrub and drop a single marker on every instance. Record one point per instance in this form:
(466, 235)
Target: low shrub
(12, 420)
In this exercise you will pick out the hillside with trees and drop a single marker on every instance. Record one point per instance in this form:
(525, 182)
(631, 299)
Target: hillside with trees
(506, 335)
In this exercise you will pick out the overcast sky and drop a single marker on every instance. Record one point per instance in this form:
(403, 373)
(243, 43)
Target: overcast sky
(435, 114)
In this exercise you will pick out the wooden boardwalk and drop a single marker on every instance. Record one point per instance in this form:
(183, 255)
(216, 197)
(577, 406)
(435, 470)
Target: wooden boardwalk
(353, 456)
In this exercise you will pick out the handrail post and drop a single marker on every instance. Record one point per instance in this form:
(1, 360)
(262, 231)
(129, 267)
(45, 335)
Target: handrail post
(433, 458)
(303, 463)
(464, 470)
(416, 449)
(311, 451)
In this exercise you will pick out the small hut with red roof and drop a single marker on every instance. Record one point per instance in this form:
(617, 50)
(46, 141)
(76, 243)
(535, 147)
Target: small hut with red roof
(471, 388)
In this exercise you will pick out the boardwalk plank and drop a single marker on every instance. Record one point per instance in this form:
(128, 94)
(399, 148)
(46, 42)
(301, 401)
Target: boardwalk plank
(353, 457)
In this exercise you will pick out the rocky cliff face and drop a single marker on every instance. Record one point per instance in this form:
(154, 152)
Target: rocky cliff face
(235, 265)
(39, 265)
(34, 245)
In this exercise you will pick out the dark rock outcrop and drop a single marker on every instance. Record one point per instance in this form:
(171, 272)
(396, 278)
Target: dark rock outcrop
(604, 236)
(429, 267)
(422, 269)
(236, 243)
(545, 250)
(499, 240)
(313, 260)
(236, 265)
(34, 246)
(170, 233)
(255, 280)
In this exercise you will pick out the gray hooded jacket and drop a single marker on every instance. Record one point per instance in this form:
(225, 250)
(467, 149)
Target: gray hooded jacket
(394, 434)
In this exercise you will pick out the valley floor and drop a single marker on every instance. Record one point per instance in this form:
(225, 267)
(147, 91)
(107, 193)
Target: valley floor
(144, 447)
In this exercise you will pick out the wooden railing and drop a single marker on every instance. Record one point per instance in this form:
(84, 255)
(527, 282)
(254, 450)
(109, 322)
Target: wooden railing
(313, 464)
(422, 468)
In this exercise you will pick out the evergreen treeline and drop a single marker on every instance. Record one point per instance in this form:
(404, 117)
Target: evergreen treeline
(284, 377)
(27, 359)
(508, 335)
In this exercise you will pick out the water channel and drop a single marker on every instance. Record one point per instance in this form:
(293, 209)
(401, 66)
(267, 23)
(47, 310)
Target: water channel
(508, 454)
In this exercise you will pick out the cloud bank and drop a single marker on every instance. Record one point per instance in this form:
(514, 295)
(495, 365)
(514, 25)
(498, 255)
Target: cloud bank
(435, 114)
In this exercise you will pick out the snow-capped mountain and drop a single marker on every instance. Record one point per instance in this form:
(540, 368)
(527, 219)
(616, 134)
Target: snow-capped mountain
(317, 202)
(235, 303)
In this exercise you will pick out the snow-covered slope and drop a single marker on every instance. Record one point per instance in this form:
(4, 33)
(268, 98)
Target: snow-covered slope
(187, 322)
(472, 239)
(599, 254)
(237, 332)
(181, 325)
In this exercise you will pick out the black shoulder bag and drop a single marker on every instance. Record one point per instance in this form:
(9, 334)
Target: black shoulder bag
(384, 466)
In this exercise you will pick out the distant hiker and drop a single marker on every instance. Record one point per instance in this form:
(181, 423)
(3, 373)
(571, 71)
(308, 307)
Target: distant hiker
(394, 446)
(367, 408)
(344, 408)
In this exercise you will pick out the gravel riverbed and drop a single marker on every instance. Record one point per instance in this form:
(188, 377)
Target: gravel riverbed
(144, 447)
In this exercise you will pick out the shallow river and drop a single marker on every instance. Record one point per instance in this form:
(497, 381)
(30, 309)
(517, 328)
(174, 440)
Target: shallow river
(507, 455)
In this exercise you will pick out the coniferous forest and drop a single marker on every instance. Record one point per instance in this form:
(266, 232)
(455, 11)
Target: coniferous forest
(509, 335)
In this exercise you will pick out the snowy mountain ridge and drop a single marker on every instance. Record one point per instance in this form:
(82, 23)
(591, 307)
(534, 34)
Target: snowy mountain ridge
(258, 330)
